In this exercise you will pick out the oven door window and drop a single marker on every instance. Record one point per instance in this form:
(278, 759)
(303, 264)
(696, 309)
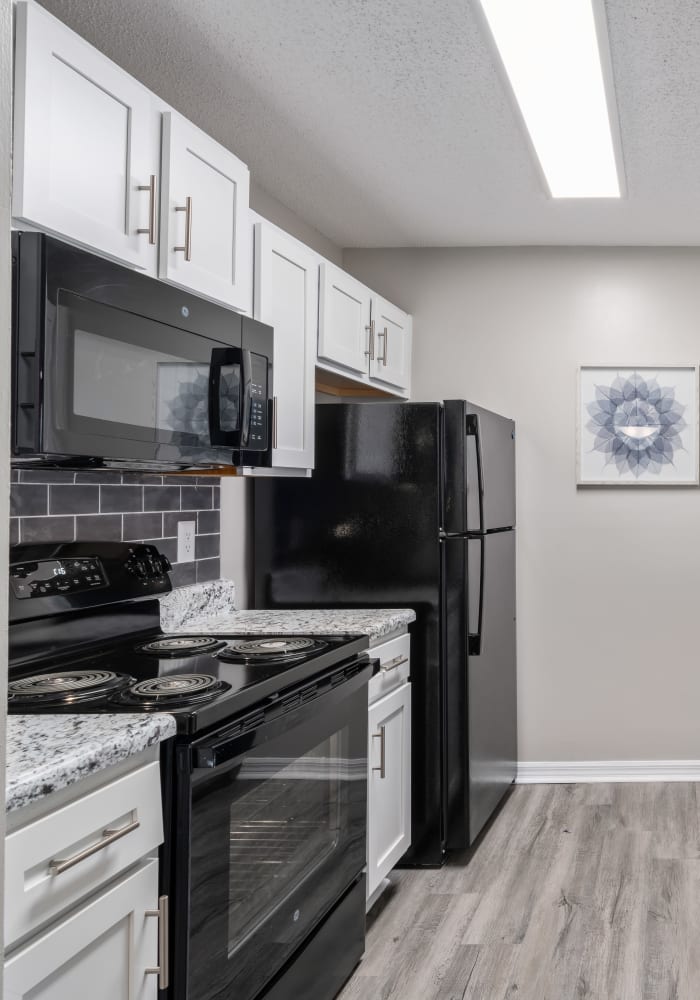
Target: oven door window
(116, 376)
(275, 841)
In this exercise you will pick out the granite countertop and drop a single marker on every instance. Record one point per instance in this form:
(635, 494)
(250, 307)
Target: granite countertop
(374, 622)
(49, 752)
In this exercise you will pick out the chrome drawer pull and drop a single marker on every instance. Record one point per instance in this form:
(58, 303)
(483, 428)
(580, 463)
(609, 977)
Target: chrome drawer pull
(57, 866)
(150, 231)
(385, 334)
(381, 735)
(187, 247)
(393, 664)
(163, 943)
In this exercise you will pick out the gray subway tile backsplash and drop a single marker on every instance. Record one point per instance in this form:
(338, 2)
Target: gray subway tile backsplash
(207, 569)
(120, 499)
(28, 500)
(98, 527)
(197, 497)
(208, 522)
(74, 499)
(161, 498)
(103, 505)
(142, 526)
(46, 529)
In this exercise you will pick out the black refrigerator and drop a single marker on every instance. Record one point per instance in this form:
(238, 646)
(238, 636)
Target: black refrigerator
(413, 505)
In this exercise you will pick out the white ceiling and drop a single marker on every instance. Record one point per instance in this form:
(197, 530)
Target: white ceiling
(387, 122)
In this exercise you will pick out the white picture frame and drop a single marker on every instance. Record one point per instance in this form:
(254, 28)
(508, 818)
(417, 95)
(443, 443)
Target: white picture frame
(637, 425)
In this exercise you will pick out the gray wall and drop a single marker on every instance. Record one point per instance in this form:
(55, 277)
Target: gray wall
(273, 210)
(608, 578)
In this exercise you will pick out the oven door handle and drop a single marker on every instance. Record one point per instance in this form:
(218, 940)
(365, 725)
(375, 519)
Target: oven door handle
(235, 742)
(221, 356)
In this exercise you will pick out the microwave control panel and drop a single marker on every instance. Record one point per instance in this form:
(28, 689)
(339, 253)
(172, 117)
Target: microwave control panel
(57, 576)
(257, 438)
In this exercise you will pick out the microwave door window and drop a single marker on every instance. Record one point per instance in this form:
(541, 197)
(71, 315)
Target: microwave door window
(132, 379)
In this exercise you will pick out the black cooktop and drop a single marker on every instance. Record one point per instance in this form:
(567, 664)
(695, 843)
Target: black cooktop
(200, 680)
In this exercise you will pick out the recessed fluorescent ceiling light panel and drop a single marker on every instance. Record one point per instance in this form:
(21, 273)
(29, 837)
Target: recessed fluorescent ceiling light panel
(550, 52)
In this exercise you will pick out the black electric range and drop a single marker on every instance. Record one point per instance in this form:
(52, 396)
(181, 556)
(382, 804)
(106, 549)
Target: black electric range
(264, 785)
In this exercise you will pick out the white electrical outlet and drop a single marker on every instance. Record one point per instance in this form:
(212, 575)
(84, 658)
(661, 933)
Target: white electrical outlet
(185, 541)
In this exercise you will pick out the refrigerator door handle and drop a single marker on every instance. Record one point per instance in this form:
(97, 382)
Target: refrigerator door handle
(474, 638)
(474, 430)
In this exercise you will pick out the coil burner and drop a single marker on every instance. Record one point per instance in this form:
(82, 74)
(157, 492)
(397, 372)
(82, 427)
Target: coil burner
(182, 645)
(68, 687)
(173, 691)
(271, 649)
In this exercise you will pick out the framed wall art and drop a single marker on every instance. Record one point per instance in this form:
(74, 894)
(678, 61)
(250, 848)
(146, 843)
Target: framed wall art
(637, 425)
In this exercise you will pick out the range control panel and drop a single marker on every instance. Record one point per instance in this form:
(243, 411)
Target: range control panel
(57, 576)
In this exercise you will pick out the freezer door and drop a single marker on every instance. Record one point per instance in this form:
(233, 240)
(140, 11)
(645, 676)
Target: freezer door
(480, 680)
(490, 470)
(491, 693)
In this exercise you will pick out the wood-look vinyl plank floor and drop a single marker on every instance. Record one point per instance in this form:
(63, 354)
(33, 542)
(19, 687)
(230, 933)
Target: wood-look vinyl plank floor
(575, 892)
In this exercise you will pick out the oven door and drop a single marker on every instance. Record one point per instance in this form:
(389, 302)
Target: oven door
(275, 835)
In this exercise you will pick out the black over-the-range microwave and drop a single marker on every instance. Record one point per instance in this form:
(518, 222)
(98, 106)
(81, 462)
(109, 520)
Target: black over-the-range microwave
(113, 368)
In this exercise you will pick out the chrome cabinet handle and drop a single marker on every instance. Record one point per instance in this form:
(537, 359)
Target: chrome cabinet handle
(381, 736)
(187, 209)
(151, 228)
(163, 914)
(393, 664)
(384, 333)
(370, 342)
(274, 421)
(59, 865)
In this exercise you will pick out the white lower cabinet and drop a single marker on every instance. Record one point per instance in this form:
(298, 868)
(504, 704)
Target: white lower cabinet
(82, 913)
(389, 772)
(103, 950)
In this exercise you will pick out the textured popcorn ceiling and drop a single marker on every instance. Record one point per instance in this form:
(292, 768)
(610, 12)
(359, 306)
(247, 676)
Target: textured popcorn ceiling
(387, 123)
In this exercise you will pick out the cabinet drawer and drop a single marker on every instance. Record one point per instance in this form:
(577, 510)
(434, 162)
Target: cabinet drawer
(394, 657)
(101, 833)
(105, 949)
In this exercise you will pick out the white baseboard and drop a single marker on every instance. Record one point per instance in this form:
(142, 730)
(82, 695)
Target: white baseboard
(539, 772)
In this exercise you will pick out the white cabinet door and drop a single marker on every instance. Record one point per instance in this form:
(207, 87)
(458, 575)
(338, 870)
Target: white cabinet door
(343, 319)
(389, 791)
(286, 297)
(392, 354)
(204, 244)
(102, 950)
(86, 143)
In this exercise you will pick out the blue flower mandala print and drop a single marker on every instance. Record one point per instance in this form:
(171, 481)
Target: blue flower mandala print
(636, 424)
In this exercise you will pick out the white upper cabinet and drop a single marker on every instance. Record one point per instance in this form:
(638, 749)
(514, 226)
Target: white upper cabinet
(89, 167)
(204, 215)
(361, 335)
(343, 319)
(286, 297)
(86, 143)
(391, 328)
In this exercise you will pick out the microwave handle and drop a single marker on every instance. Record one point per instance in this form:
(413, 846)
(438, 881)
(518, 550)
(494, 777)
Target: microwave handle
(247, 381)
(221, 356)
